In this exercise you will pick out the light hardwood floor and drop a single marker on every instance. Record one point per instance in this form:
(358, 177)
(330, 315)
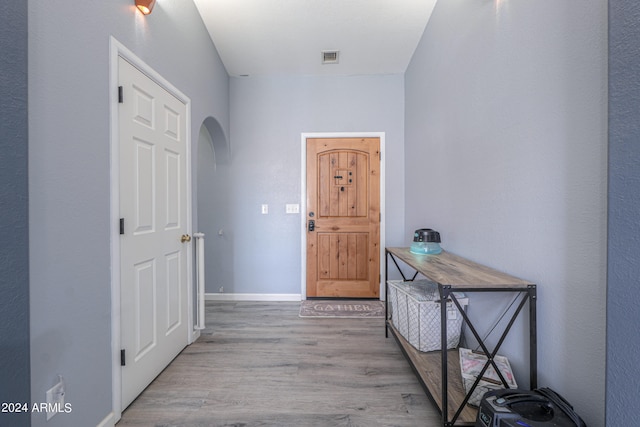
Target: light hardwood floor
(260, 364)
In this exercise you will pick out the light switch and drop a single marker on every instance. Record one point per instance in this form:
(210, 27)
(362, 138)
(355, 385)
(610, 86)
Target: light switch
(265, 209)
(292, 208)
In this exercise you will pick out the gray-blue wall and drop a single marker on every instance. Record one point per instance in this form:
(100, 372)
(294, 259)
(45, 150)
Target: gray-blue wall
(261, 253)
(506, 141)
(14, 227)
(69, 176)
(623, 293)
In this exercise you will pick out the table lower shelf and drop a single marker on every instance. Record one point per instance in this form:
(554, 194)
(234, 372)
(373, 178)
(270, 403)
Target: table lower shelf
(428, 368)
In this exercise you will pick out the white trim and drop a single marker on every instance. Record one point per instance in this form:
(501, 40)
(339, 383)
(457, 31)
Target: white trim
(252, 297)
(116, 50)
(200, 277)
(303, 199)
(108, 421)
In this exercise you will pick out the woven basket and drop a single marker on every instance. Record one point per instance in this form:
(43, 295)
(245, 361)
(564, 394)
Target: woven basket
(415, 308)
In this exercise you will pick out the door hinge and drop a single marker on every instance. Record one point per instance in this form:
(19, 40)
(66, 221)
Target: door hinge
(122, 358)
(120, 95)
(121, 225)
(380, 218)
(380, 155)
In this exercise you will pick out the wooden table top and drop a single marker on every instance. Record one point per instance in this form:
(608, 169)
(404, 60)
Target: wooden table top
(458, 272)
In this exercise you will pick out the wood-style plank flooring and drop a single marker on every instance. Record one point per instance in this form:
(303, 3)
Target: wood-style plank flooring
(260, 364)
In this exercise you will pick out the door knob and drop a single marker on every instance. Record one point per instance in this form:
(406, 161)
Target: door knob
(185, 238)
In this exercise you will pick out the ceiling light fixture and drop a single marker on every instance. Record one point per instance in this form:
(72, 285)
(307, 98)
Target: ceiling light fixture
(145, 6)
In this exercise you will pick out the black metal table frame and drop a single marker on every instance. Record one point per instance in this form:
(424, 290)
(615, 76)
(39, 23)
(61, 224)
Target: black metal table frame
(446, 293)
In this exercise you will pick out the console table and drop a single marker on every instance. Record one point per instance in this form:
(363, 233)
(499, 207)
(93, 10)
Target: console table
(439, 371)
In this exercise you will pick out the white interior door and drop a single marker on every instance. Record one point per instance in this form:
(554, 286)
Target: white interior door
(153, 251)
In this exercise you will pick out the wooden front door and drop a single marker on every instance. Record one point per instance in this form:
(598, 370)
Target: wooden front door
(343, 217)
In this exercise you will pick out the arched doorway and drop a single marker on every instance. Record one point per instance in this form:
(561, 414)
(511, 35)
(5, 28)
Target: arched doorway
(212, 193)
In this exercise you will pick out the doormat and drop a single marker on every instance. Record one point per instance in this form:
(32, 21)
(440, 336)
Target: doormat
(345, 309)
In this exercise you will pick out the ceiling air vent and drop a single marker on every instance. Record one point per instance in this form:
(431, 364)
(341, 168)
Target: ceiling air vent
(330, 56)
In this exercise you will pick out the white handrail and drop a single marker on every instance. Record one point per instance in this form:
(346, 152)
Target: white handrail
(200, 278)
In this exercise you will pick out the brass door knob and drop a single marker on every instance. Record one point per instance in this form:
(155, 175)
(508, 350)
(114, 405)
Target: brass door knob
(185, 238)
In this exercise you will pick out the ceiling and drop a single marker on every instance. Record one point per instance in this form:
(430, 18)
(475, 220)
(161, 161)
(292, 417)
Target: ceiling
(285, 37)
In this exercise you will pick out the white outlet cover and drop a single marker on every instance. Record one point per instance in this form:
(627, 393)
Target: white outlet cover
(55, 399)
(293, 208)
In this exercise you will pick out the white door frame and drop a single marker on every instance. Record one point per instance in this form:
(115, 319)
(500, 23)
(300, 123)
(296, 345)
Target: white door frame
(116, 50)
(303, 198)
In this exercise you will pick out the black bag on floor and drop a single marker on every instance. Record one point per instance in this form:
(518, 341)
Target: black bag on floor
(526, 408)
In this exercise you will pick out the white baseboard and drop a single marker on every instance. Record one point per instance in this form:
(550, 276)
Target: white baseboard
(109, 421)
(252, 297)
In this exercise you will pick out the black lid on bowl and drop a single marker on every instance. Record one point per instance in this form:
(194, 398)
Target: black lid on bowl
(426, 235)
